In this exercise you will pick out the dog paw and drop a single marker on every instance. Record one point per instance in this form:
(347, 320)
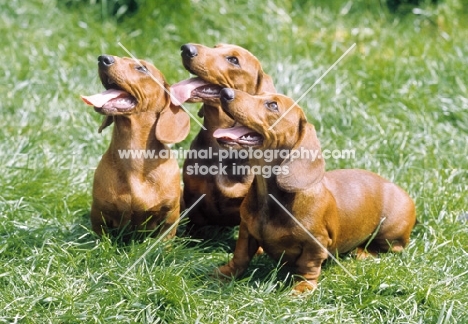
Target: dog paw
(362, 254)
(304, 286)
(224, 272)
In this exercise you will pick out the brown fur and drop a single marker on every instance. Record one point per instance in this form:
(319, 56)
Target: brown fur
(341, 208)
(224, 193)
(138, 194)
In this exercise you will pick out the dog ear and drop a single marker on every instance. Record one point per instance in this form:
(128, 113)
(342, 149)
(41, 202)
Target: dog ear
(107, 121)
(173, 125)
(306, 170)
(264, 83)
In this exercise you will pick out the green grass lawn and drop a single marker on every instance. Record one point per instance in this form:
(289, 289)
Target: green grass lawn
(400, 99)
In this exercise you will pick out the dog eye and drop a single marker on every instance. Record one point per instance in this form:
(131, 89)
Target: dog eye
(142, 68)
(232, 60)
(272, 105)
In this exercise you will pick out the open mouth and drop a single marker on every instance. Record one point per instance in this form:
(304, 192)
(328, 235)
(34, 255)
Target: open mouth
(194, 90)
(112, 100)
(238, 135)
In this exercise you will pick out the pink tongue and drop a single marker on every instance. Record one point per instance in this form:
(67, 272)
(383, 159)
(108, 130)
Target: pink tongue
(182, 91)
(100, 99)
(233, 132)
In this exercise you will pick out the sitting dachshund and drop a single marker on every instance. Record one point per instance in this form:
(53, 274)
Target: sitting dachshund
(136, 193)
(216, 68)
(342, 209)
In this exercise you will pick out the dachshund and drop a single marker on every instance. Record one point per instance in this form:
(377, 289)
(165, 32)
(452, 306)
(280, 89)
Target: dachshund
(337, 211)
(216, 68)
(136, 193)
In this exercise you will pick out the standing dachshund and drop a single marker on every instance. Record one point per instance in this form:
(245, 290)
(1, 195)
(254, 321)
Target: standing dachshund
(342, 209)
(136, 193)
(216, 68)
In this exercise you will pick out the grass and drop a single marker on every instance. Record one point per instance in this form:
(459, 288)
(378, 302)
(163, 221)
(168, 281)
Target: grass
(400, 99)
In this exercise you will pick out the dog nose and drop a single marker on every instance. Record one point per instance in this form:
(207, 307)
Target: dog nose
(227, 94)
(106, 60)
(189, 51)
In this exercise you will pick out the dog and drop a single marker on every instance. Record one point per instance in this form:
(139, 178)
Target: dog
(138, 194)
(342, 209)
(216, 68)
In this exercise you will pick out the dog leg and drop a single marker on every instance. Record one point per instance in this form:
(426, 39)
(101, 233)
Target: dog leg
(309, 266)
(98, 223)
(246, 247)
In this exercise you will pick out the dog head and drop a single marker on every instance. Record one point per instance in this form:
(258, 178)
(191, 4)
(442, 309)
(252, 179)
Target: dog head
(216, 68)
(134, 87)
(274, 122)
